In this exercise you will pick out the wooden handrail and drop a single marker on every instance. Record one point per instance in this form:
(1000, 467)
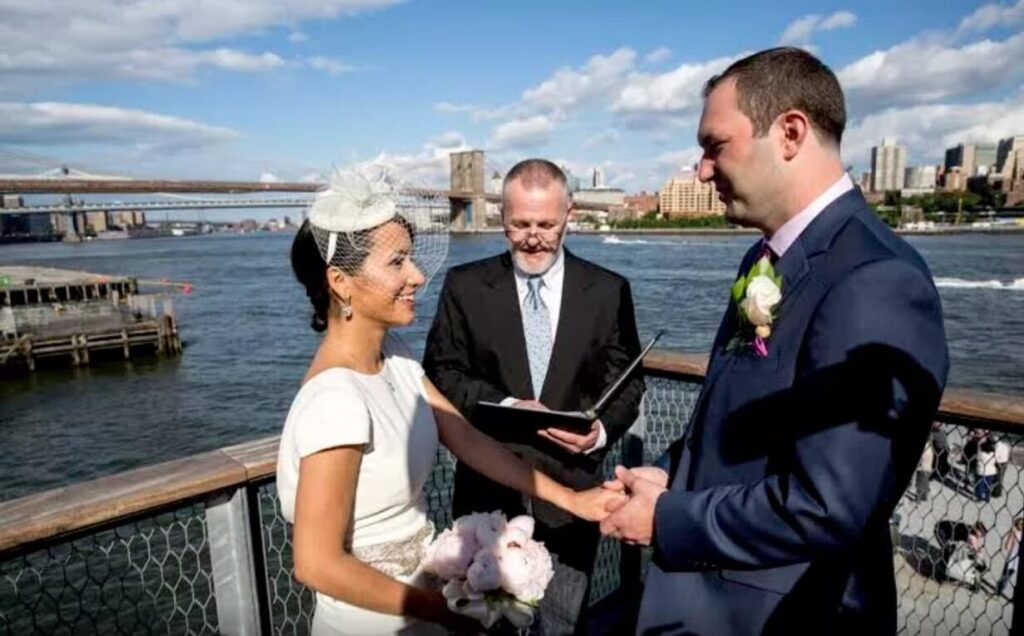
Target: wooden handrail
(62, 511)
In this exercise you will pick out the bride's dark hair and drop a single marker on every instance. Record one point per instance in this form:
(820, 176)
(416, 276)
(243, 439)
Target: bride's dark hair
(311, 271)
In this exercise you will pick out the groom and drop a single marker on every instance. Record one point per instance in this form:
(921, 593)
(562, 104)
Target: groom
(770, 514)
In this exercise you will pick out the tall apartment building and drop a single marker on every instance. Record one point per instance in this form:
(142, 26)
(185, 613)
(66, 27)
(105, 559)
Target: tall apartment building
(919, 178)
(1010, 157)
(1010, 169)
(888, 165)
(685, 195)
(972, 159)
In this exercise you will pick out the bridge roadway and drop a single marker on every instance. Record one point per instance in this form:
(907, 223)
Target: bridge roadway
(152, 186)
(141, 206)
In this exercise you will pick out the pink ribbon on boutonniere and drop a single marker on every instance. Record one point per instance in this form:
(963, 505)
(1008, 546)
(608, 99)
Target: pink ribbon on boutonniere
(760, 347)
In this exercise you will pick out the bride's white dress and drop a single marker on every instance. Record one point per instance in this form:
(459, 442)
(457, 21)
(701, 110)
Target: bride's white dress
(389, 414)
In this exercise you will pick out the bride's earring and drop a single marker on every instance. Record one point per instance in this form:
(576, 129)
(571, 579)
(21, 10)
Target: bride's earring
(346, 308)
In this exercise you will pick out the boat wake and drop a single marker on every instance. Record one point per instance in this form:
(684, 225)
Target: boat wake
(960, 283)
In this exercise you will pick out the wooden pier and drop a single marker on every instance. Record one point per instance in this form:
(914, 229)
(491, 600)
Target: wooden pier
(61, 316)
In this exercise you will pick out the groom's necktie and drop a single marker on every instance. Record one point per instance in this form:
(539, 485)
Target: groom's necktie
(537, 329)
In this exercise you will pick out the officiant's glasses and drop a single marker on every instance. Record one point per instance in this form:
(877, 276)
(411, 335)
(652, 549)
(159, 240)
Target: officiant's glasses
(544, 234)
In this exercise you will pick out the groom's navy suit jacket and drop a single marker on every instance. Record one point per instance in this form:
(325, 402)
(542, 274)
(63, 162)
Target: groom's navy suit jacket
(781, 490)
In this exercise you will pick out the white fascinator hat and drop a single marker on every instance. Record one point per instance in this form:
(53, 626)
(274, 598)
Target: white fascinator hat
(356, 201)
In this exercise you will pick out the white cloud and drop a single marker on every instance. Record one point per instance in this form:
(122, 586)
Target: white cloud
(929, 70)
(331, 66)
(607, 136)
(62, 41)
(800, 30)
(520, 133)
(56, 123)
(989, 16)
(672, 94)
(659, 54)
(927, 130)
(568, 89)
(238, 61)
(269, 177)
(675, 160)
(428, 168)
(297, 37)
(450, 139)
(449, 107)
(838, 20)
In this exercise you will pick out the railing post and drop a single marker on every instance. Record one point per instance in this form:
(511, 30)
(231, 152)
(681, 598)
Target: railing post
(232, 554)
(632, 455)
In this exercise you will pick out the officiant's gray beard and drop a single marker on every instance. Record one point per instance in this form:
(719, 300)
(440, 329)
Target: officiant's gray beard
(532, 269)
(535, 268)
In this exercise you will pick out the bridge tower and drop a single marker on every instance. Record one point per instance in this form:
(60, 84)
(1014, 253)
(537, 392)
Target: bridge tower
(467, 179)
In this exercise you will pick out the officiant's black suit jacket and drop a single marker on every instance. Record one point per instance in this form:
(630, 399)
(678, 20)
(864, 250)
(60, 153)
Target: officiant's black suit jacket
(476, 351)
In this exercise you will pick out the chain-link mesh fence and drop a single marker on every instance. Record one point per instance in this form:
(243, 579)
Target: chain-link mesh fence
(291, 603)
(151, 576)
(155, 576)
(954, 538)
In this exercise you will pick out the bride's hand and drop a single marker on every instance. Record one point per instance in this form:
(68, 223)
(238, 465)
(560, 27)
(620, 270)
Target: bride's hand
(594, 504)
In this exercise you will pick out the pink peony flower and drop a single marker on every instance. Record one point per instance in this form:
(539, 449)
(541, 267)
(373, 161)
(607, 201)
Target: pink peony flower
(483, 526)
(484, 575)
(450, 555)
(524, 523)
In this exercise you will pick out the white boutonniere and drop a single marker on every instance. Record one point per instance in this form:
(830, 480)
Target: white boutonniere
(756, 295)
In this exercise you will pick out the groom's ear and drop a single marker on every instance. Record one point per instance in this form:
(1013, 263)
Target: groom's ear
(796, 130)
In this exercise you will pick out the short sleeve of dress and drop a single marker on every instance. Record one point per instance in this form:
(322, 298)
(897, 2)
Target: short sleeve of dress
(334, 415)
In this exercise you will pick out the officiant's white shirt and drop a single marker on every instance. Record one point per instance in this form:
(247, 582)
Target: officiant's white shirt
(791, 230)
(551, 295)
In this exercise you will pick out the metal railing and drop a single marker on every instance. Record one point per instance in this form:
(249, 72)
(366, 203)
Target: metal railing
(198, 545)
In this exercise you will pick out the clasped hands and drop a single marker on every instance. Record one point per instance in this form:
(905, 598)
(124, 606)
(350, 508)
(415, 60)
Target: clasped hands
(624, 506)
(631, 515)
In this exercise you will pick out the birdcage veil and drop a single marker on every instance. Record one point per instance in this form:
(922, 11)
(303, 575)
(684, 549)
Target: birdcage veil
(347, 216)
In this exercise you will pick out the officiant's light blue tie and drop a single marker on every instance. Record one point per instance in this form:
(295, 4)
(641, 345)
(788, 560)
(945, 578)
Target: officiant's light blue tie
(537, 329)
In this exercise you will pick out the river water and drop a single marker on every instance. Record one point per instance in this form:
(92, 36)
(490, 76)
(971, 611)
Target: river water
(247, 339)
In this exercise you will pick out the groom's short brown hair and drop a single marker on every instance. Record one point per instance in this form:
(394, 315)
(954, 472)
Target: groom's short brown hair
(769, 83)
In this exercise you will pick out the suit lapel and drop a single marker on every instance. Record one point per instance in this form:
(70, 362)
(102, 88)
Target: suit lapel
(507, 317)
(572, 333)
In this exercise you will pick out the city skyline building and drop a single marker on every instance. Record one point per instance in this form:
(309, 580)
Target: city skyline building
(686, 195)
(888, 166)
(920, 178)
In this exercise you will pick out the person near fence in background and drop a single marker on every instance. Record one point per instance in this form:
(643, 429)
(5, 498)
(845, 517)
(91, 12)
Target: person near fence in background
(542, 328)
(1002, 454)
(969, 458)
(940, 443)
(361, 437)
(1011, 547)
(770, 514)
(961, 547)
(923, 474)
(986, 472)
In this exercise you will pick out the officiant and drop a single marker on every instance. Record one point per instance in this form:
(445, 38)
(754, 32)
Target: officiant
(539, 328)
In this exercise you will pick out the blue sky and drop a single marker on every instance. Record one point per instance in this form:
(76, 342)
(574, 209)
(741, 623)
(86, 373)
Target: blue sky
(284, 89)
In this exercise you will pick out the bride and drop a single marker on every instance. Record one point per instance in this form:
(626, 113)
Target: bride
(361, 437)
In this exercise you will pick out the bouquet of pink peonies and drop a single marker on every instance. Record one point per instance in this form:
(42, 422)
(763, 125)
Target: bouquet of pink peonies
(492, 568)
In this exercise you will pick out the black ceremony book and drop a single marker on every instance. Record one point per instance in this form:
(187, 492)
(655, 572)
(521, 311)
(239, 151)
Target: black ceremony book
(493, 417)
